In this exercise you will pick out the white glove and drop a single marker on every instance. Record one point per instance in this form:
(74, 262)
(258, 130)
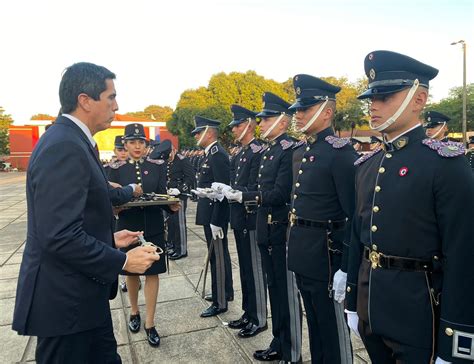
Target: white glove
(215, 195)
(339, 285)
(353, 321)
(441, 361)
(233, 195)
(220, 187)
(174, 192)
(217, 232)
(200, 192)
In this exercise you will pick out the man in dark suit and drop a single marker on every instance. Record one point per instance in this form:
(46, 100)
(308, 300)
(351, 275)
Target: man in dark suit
(70, 263)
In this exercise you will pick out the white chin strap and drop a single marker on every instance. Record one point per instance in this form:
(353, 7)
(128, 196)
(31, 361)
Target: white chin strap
(400, 110)
(270, 129)
(244, 131)
(315, 116)
(203, 134)
(439, 131)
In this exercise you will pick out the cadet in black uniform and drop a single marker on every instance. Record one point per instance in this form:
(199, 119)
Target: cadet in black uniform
(120, 153)
(243, 221)
(410, 272)
(150, 174)
(273, 198)
(213, 214)
(436, 125)
(181, 179)
(470, 153)
(320, 217)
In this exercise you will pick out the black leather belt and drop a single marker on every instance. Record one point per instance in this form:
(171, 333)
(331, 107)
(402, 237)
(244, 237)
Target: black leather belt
(379, 260)
(329, 225)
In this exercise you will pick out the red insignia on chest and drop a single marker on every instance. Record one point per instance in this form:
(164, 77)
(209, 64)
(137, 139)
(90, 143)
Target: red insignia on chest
(403, 171)
(145, 172)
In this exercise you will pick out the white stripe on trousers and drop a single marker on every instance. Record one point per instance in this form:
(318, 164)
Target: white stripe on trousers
(220, 272)
(295, 315)
(182, 231)
(258, 279)
(343, 332)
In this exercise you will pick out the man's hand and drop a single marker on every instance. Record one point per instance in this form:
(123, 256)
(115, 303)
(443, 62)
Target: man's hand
(140, 259)
(233, 195)
(174, 192)
(124, 238)
(138, 191)
(217, 232)
(339, 286)
(353, 321)
(175, 206)
(115, 185)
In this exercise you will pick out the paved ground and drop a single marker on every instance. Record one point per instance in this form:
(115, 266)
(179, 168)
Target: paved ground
(186, 338)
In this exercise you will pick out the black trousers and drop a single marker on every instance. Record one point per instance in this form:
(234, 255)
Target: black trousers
(284, 302)
(177, 235)
(253, 282)
(385, 351)
(96, 346)
(221, 268)
(329, 338)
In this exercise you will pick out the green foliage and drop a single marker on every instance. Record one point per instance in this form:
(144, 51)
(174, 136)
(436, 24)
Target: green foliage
(214, 101)
(452, 107)
(42, 117)
(5, 121)
(154, 112)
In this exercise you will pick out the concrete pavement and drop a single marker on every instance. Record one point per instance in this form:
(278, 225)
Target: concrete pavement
(186, 337)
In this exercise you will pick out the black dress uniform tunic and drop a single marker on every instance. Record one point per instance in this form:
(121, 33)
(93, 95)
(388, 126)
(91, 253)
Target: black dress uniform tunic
(215, 168)
(321, 211)
(470, 158)
(412, 238)
(273, 198)
(180, 175)
(151, 175)
(243, 221)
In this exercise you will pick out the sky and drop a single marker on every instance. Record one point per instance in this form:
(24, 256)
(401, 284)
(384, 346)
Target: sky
(158, 49)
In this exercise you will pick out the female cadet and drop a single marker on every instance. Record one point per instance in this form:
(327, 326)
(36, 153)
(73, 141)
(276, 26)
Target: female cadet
(150, 174)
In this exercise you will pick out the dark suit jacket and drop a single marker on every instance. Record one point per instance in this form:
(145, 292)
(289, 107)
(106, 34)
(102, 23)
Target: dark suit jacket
(70, 263)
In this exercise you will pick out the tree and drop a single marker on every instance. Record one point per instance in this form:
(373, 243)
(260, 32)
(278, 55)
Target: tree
(154, 112)
(214, 101)
(452, 106)
(5, 121)
(42, 117)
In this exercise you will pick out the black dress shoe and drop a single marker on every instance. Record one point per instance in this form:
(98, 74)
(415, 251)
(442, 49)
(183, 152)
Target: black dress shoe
(267, 355)
(134, 323)
(176, 256)
(212, 311)
(152, 336)
(123, 286)
(208, 297)
(251, 330)
(239, 324)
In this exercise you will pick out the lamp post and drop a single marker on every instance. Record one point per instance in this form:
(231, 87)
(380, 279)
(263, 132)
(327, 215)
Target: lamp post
(464, 91)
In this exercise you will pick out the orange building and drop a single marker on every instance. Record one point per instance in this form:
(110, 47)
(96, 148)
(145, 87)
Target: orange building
(24, 136)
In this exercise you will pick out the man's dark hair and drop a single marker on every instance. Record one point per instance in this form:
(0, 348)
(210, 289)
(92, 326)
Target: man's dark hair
(82, 78)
